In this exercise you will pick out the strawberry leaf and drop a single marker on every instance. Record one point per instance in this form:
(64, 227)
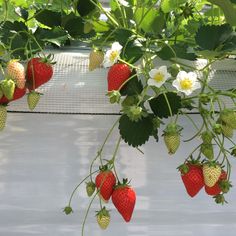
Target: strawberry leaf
(160, 106)
(211, 37)
(135, 133)
(133, 87)
(48, 17)
(84, 8)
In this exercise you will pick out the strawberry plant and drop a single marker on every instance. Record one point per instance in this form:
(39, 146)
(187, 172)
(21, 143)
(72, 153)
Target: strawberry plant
(151, 49)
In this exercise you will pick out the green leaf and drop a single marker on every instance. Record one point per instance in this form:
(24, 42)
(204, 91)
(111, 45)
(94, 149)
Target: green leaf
(75, 26)
(211, 37)
(22, 13)
(160, 106)
(123, 35)
(85, 7)
(228, 8)
(135, 133)
(133, 87)
(171, 5)
(56, 36)
(178, 50)
(100, 26)
(132, 51)
(48, 18)
(150, 20)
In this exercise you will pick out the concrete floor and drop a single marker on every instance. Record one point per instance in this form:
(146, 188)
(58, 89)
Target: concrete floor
(42, 158)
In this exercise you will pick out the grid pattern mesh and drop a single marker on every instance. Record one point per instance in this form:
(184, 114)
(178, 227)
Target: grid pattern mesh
(73, 89)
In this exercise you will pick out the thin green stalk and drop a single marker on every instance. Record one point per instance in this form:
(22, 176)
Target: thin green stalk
(75, 189)
(122, 14)
(86, 214)
(192, 121)
(99, 153)
(99, 6)
(168, 104)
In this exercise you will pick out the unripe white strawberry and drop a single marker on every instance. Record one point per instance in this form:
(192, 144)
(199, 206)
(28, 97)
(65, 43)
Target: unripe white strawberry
(211, 173)
(17, 72)
(95, 59)
(103, 218)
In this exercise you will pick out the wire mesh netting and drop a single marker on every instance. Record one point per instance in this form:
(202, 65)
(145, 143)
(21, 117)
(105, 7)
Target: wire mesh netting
(74, 89)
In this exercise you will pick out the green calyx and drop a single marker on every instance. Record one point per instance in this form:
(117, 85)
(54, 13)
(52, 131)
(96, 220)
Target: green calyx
(49, 59)
(225, 185)
(172, 129)
(204, 98)
(135, 113)
(68, 210)
(217, 128)
(114, 96)
(125, 183)
(212, 163)
(184, 169)
(8, 88)
(220, 199)
(103, 212)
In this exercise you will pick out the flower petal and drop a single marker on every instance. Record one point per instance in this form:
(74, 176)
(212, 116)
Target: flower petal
(153, 72)
(182, 74)
(152, 82)
(192, 75)
(116, 47)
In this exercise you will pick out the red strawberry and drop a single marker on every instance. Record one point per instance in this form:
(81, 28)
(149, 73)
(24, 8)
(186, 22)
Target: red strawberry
(105, 181)
(124, 198)
(216, 189)
(39, 71)
(117, 75)
(18, 93)
(192, 177)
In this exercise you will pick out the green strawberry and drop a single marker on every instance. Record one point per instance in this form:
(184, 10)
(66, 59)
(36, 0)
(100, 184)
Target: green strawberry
(33, 99)
(227, 130)
(3, 117)
(211, 173)
(103, 218)
(228, 116)
(8, 88)
(172, 137)
(206, 137)
(207, 151)
(90, 188)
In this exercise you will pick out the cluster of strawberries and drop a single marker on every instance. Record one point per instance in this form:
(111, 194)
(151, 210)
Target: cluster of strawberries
(17, 80)
(123, 196)
(209, 175)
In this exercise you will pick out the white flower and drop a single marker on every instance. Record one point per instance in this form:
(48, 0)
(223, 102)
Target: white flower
(158, 76)
(186, 82)
(112, 55)
(124, 3)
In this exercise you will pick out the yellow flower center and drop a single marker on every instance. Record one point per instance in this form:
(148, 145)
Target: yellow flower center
(159, 77)
(113, 55)
(186, 84)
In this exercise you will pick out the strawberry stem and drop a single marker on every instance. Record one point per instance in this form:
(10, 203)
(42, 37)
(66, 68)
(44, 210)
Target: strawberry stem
(99, 153)
(82, 181)
(87, 211)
